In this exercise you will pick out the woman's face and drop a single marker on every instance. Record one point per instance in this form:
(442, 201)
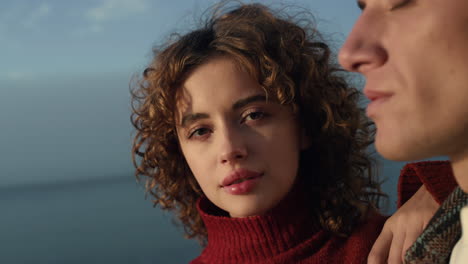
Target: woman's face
(242, 149)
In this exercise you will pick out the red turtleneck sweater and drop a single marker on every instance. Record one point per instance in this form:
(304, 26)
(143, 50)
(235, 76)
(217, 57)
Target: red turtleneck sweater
(289, 233)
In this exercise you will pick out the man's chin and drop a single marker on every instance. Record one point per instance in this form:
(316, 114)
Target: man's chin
(400, 152)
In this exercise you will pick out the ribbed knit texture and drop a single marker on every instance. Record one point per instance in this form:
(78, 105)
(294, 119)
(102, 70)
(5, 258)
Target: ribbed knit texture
(287, 234)
(437, 177)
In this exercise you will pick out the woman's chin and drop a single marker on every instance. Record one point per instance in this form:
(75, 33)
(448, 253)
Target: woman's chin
(248, 209)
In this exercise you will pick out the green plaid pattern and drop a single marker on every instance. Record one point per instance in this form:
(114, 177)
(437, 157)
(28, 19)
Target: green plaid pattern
(435, 244)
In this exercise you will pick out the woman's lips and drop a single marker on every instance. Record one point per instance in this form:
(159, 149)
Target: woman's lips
(241, 181)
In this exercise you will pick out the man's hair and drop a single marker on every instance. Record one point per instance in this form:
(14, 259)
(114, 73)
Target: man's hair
(295, 67)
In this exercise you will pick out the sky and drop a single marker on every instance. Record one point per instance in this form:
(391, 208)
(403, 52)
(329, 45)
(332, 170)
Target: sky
(65, 68)
(43, 38)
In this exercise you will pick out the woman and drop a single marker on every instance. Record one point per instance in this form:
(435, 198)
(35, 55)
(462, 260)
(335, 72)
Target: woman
(247, 130)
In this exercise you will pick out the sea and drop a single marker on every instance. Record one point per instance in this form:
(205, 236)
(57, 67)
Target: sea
(93, 221)
(102, 220)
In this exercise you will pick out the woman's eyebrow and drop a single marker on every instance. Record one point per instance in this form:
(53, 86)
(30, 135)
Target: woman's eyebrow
(193, 117)
(243, 102)
(190, 118)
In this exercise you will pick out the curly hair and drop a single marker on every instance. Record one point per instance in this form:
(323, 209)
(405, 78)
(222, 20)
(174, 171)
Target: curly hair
(292, 63)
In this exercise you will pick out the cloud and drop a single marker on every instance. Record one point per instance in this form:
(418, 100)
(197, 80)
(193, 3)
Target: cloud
(16, 18)
(16, 76)
(96, 28)
(112, 10)
(37, 14)
(116, 9)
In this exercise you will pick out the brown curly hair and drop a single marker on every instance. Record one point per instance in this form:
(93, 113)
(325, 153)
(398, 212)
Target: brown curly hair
(293, 64)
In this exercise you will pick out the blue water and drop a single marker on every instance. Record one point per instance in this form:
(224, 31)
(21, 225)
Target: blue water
(105, 221)
(101, 221)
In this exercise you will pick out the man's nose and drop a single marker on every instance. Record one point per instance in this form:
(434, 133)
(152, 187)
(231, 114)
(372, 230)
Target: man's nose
(363, 49)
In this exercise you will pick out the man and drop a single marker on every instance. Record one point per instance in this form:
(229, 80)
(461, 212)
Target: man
(414, 56)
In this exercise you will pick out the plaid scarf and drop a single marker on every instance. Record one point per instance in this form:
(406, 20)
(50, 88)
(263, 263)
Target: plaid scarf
(435, 244)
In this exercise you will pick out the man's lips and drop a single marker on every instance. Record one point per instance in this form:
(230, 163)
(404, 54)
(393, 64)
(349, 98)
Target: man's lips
(378, 100)
(373, 95)
(238, 176)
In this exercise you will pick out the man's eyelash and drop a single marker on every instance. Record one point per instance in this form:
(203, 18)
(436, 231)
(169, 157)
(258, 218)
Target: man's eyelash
(401, 4)
(361, 5)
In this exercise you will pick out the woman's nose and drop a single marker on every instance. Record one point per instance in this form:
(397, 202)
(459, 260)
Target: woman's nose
(233, 146)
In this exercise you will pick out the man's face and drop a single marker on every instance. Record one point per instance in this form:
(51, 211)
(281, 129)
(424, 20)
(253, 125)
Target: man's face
(414, 56)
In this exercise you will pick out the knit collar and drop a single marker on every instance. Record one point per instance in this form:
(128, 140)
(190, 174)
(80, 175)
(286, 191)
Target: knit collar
(256, 238)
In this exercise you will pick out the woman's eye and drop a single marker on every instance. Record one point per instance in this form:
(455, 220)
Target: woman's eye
(199, 132)
(253, 116)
